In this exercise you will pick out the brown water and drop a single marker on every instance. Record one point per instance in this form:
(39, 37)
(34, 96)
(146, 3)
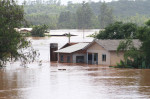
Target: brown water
(78, 81)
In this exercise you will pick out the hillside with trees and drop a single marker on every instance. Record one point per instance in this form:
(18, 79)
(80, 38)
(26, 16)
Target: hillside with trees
(58, 16)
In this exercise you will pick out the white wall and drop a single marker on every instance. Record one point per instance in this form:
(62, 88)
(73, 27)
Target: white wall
(96, 48)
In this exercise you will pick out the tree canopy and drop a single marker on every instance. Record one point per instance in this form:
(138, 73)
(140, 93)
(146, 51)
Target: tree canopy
(144, 36)
(84, 16)
(105, 16)
(137, 58)
(118, 30)
(39, 30)
(50, 13)
(12, 44)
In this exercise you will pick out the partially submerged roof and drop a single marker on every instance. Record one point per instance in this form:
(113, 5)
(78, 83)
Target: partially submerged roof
(23, 29)
(27, 29)
(73, 48)
(112, 45)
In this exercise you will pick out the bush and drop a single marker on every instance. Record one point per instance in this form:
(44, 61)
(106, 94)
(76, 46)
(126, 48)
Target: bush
(39, 30)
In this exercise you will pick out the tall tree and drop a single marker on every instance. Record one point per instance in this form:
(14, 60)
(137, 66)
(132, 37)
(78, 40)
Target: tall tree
(67, 20)
(84, 16)
(144, 36)
(105, 16)
(12, 44)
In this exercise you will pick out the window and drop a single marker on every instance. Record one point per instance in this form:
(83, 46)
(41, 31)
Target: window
(61, 58)
(79, 59)
(104, 57)
(68, 59)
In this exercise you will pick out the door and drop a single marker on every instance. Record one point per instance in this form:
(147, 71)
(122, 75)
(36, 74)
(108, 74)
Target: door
(68, 59)
(79, 59)
(95, 58)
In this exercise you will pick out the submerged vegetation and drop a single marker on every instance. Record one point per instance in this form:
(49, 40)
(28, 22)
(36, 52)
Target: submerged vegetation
(39, 30)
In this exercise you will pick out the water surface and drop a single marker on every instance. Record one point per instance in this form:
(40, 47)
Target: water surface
(77, 81)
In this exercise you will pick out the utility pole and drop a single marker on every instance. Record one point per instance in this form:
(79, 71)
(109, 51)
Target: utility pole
(83, 33)
(69, 35)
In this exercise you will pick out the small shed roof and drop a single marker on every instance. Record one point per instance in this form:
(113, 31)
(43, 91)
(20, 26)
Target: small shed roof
(73, 48)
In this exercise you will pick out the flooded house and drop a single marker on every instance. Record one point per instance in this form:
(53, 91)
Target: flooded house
(73, 54)
(100, 52)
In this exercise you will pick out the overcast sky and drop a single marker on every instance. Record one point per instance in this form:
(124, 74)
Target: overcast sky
(74, 1)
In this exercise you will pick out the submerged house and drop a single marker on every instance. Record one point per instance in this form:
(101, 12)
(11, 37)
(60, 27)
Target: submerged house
(73, 54)
(101, 52)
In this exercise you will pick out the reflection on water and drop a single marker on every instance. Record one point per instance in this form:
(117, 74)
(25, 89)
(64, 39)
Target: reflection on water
(76, 81)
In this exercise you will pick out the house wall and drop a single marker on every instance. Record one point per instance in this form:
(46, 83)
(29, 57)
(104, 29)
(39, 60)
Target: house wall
(115, 58)
(65, 57)
(96, 48)
(79, 54)
(73, 56)
(112, 58)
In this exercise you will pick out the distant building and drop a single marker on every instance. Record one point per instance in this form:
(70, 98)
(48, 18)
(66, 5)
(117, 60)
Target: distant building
(101, 52)
(23, 30)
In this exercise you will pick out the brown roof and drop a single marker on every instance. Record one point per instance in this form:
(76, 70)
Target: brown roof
(112, 45)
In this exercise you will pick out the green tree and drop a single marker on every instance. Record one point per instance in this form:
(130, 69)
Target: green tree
(67, 20)
(137, 58)
(144, 36)
(118, 30)
(105, 16)
(39, 30)
(133, 56)
(84, 15)
(13, 46)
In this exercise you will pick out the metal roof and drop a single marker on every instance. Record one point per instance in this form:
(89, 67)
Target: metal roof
(73, 48)
(112, 45)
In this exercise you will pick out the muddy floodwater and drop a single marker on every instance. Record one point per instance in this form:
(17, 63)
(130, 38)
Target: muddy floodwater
(71, 81)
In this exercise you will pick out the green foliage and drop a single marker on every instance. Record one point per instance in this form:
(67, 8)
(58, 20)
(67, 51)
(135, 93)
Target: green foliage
(144, 36)
(93, 35)
(118, 30)
(67, 20)
(84, 16)
(137, 19)
(130, 7)
(12, 44)
(148, 23)
(40, 19)
(39, 30)
(125, 45)
(106, 15)
(133, 57)
(51, 12)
